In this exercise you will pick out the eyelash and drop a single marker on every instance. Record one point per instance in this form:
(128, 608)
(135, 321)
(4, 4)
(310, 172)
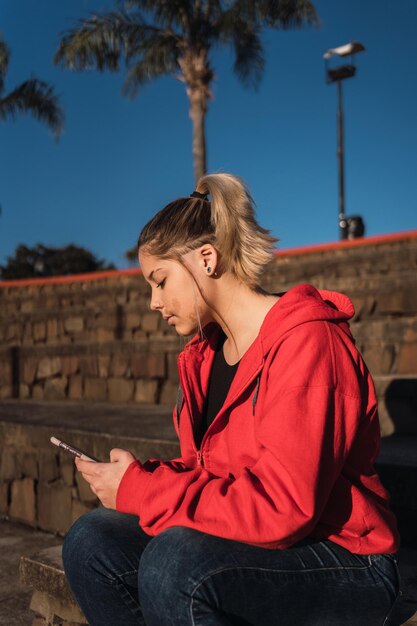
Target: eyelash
(161, 284)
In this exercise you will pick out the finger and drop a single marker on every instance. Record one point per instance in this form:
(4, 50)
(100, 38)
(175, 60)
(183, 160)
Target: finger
(87, 467)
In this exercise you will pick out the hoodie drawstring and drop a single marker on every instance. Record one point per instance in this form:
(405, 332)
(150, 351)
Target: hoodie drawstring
(255, 395)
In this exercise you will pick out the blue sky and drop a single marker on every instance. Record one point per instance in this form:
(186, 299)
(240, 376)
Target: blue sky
(119, 160)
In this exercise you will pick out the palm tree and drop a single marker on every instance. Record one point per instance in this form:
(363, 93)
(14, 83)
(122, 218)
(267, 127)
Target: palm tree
(175, 37)
(34, 96)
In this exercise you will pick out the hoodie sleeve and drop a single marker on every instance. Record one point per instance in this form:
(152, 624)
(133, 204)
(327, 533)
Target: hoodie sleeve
(305, 423)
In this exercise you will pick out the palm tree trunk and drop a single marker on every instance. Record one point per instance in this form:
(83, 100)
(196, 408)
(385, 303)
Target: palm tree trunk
(198, 108)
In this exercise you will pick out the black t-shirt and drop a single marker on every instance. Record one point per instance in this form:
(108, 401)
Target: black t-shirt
(221, 377)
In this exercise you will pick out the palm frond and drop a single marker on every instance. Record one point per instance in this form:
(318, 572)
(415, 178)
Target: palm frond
(168, 13)
(284, 14)
(249, 58)
(97, 41)
(153, 55)
(4, 62)
(35, 97)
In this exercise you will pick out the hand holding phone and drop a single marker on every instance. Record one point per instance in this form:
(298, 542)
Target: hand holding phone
(72, 450)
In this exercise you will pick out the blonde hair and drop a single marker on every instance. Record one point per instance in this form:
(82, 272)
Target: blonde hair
(227, 222)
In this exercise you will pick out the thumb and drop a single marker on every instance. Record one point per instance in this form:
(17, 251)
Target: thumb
(117, 454)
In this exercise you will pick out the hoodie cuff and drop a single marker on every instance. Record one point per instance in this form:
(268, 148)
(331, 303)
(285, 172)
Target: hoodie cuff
(132, 488)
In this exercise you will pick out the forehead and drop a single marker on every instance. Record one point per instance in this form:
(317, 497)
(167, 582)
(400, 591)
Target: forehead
(150, 263)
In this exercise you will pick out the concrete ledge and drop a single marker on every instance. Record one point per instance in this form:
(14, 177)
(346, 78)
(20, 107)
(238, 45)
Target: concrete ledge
(52, 599)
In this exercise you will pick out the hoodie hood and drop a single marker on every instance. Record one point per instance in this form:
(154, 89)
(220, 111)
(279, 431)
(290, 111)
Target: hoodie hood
(303, 304)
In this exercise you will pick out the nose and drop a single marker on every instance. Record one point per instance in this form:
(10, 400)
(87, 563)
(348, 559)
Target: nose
(155, 304)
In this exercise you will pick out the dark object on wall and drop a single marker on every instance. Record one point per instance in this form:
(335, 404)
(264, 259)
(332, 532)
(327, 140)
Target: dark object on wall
(355, 227)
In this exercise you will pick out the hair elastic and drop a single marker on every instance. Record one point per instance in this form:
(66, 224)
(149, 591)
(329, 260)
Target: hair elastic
(197, 194)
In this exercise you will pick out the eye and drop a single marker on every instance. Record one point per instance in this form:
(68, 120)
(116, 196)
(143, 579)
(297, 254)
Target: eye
(161, 284)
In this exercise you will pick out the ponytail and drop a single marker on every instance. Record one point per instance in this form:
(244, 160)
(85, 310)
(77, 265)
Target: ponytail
(228, 222)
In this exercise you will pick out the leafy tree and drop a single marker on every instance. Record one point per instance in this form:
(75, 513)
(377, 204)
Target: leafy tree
(34, 96)
(176, 37)
(42, 261)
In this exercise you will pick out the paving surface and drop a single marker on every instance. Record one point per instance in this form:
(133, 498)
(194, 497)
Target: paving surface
(15, 540)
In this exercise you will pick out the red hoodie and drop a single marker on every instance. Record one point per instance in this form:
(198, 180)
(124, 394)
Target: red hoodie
(290, 454)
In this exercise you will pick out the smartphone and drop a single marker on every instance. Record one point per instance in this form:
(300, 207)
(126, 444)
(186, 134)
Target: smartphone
(72, 450)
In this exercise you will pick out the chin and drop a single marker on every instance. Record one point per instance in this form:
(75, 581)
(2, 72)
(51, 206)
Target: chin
(186, 330)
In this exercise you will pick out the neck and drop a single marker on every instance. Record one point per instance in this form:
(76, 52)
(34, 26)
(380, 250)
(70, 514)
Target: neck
(240, 311)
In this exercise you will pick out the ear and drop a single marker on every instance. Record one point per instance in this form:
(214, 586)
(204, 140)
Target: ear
(208, 259)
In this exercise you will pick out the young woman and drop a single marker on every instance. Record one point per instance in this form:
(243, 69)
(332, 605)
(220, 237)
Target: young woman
(273, 514)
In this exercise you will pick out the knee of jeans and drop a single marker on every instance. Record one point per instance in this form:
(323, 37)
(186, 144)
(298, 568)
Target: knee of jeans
(166, 561)
(80, 541)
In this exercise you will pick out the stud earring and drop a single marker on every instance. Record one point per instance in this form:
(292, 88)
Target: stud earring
(208, 270)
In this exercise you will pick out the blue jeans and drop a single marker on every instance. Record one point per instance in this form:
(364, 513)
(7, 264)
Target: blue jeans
(120, 576)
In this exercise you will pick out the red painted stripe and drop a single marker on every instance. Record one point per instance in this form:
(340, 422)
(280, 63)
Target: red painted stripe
(334, 245)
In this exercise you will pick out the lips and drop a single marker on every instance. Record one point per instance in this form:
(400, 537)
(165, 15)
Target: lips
(169, 319)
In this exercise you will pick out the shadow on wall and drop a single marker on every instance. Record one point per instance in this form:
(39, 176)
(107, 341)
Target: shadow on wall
(401, 405)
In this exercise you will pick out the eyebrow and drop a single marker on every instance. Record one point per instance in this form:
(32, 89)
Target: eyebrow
(150, 277)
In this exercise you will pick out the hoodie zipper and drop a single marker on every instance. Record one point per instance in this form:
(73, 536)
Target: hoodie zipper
(200, 459)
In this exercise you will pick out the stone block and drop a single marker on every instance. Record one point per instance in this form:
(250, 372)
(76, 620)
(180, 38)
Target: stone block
(5, 372)
(80, 508)
(28, 371)
(49, 366)
(132, 320)
(103, 335)
(155, 365)
(9, 466)
(410, 334)
(28, 463)
(54, 506)
(11, 332)
(89, 365)
(6, 391)
(4, 498)
(119, 364)
(146, 391)
(120, 389)
(103, 365)
(407, 359)
(169, 393)
(37, 392)
(56, 388)
(150, 322)
(27, 306)
(39, 332)
(138, 365)
(54, 611)
(75, 388)
(24, 391)
(22, 501)
(70, 365)
(74, 325)
(67, 469)
(399, 302)
(95, 389)
(84, 491)
(379, 358)
(48, 465)
(27, 334)
(51, 330)
(172, 362)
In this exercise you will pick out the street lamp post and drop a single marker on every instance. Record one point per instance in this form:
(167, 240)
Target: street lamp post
(337, 75)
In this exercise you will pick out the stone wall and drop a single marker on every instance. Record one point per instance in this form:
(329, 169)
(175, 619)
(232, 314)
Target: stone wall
(93, 337)
(38, 483)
